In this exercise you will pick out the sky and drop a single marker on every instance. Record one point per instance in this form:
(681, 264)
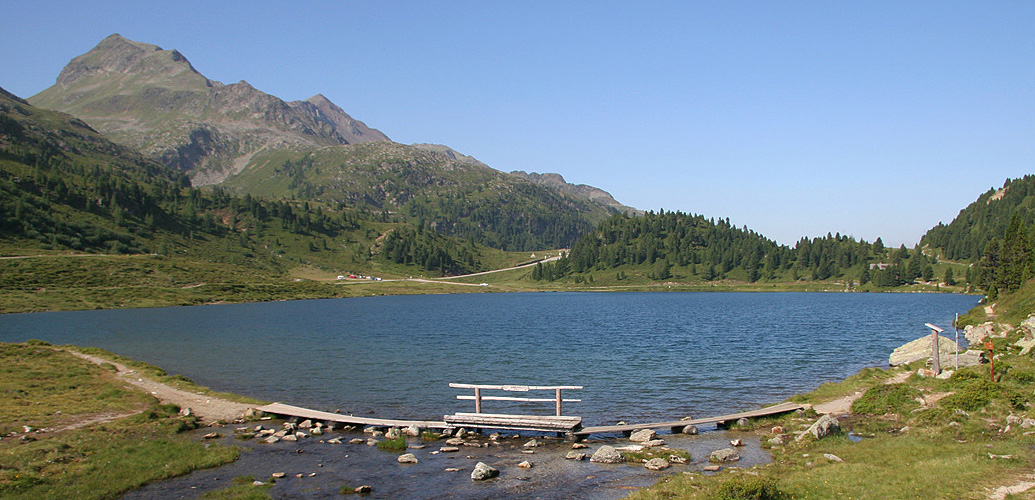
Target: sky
(793, 118)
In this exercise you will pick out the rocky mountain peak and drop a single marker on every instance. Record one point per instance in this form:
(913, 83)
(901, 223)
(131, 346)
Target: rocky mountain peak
(115, 56)
(594, 194)
(352, 131)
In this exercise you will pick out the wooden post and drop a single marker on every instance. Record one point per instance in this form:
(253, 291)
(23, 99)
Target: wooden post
(558, 402)
(477, 400)
(936, 356)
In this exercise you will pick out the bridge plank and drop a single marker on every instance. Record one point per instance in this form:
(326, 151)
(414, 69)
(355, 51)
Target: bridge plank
(296, 411)
(771, 410)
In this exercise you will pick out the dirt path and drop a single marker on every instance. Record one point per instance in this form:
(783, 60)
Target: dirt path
(208, 408)
(841, 406)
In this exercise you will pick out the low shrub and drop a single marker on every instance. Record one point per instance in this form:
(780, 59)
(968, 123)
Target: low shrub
(979, 393)
(887, 398)
(749, 488)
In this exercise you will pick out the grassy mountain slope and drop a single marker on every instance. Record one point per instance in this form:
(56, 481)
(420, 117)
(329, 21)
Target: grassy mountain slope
(429, 187)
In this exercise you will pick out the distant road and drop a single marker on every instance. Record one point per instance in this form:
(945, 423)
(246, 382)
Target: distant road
(530, 264)
(445, 280)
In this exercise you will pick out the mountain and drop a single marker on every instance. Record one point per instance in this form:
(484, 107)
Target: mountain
(988, 217)
(250, 142)
(590, 193)
(64, 186)
(432, 187)
(153, 100)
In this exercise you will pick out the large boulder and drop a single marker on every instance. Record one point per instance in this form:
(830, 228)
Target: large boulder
(826, 426)
(607, 455)
(483, 471)
(920, 349)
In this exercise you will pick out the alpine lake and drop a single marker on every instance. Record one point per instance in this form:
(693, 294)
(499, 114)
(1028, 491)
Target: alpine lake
(640, 357)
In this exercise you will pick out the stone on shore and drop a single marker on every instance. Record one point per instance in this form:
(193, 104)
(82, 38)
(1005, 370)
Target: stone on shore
(690, 430)
(574, 455)
(483, 471)
(920, 349)
(724, 455)
(526, 464)
(642, 435)
(826, 426)
(656, 464)
(607, 455)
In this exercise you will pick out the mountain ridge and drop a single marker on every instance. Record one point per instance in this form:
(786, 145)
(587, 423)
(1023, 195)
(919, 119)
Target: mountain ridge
(155, 101)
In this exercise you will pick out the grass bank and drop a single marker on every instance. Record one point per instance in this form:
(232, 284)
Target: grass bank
(70, 429)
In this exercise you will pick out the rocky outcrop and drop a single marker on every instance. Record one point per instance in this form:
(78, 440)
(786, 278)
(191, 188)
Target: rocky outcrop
(921, 349)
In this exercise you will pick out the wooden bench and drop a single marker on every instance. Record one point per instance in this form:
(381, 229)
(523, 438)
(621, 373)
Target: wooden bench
(542, 423)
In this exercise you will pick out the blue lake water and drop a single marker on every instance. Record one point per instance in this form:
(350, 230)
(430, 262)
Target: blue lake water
(640, 356)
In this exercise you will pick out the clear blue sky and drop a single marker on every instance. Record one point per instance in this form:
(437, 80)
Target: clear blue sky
(794, 118)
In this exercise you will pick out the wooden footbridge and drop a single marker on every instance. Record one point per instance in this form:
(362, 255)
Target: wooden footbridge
(569, 425)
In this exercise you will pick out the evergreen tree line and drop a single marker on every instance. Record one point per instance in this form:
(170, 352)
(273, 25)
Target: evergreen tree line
(1008, 261)
(715, 249)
